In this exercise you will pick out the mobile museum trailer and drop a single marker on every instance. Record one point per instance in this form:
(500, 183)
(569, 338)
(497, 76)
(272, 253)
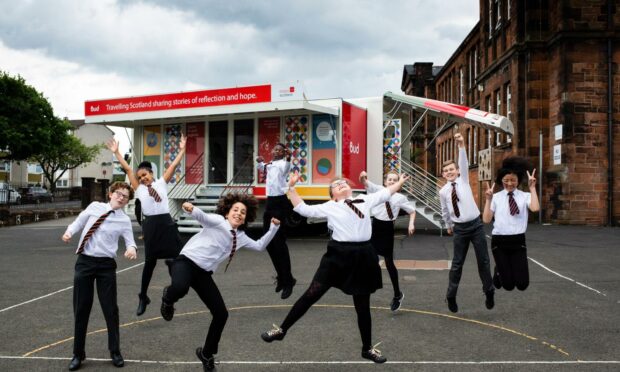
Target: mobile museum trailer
(227, 128)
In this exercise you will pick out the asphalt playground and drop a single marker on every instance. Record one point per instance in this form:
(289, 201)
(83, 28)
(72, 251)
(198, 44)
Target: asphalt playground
(567, 320)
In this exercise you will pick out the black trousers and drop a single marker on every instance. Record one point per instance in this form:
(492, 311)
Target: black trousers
(185, 274)
(465, 233)
(279, 207)
(510, 254)
(89, 270)
(382, 241)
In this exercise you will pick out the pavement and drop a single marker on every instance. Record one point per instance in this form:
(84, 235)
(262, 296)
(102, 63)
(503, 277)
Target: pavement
(567, 320)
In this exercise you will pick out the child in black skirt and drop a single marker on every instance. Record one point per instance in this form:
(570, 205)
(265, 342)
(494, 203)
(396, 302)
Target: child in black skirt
(161, 236)
(222, 234)
(383, 217)
(510, 209)
(350, 263)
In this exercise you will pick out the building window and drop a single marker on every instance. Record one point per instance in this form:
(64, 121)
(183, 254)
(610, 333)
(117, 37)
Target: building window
(461, 87)
(475, 146)
(490, 19)
(508, 106)
(62, 183)
(469, 145)
(475, 63)
(470, 75)
(507, 9)
(498, 110)
(5, 166)
(499, 13)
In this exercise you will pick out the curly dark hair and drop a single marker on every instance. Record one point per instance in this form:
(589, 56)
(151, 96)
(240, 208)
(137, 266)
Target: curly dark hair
(513, 165)
(227, 201)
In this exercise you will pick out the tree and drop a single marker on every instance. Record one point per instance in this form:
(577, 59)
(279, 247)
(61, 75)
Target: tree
(26, 119)
(66, 152)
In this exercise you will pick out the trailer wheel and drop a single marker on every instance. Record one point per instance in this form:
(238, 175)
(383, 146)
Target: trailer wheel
(295, 220)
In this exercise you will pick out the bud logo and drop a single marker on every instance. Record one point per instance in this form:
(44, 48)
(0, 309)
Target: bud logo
(94, 108)
(354, 149)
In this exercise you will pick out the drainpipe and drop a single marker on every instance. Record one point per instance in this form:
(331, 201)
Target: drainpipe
(610, 131)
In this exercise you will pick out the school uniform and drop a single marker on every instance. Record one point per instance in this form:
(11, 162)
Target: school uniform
(508, 239)
(350, 263)
(466, 226)
(161, 236)
(96, 263)
(200, 258)
(278, 206)
(383, 217)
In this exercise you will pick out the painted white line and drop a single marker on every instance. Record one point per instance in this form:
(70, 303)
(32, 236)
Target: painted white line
(562, 276)
(319, 362)
(59, 291)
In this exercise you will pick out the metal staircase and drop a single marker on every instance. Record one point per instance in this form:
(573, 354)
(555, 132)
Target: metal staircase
(423, 188)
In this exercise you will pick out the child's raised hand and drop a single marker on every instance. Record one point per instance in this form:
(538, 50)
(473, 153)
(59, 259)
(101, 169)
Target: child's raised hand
(531, 180)
(489, 191)
(66, 237)
(260, 159)
(458, 137)
(183, 141)
(363, 177)
(293, 178)
(188, 207)
(112, 145)
(275, 221)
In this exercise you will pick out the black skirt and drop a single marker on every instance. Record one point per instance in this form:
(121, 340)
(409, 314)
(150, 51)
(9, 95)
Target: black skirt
(161, 237)
(382, 239)
(352, 267)
(508, 242)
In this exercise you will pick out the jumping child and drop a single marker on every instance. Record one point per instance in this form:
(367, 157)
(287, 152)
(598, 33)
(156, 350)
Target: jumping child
(350, 263)
(222, 235)
(383, 219)
(102, 224)
(161, 236)
(510, 209)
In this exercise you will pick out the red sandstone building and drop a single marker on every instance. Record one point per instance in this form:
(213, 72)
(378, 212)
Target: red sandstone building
(551, 67)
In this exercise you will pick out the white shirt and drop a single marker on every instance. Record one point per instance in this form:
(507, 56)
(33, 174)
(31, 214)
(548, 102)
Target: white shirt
(213, 243)
(104, 242)
(467, 205)
(149, 206)
(277, 170)
(346, 226)
(504, 223)
(397, 202)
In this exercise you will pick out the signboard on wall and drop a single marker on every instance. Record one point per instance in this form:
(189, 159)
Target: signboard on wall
(323, 148)
(152, 147)
(353, 143)
(268, 136)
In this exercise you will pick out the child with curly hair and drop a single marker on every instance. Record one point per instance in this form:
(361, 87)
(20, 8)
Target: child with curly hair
(222, 235)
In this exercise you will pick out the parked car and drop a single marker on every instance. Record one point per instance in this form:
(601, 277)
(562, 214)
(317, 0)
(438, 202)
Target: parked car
(8, 195)
(37, 195)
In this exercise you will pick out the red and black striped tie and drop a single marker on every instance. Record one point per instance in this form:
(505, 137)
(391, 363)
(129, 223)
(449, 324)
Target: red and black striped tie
(265, 172)
(234, 248)
(355, 201)
(514, 209)
(154, 194)
(389, 210)
(455, 200)
(92, 230)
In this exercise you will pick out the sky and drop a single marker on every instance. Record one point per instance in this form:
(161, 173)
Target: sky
(75, 50)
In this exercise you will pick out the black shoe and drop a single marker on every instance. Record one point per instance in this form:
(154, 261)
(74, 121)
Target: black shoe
(279, 285)
(397, 302)
(287, 289)
(276, 333)
(497, 283)
(167, 310)
(117, 359)
(452, 304)
(76, 362)
(208, 362)
(490, 301)
(374, 355)
(144, 300)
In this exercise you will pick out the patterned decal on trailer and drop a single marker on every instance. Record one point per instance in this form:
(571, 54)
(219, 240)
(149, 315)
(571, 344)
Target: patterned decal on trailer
(172, 138)
(296, 140)
(391, 146)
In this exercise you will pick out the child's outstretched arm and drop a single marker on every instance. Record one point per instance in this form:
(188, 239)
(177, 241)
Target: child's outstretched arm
(487, 214)
(112, 145)
(170, 170)
(292, 193)
(531, 183)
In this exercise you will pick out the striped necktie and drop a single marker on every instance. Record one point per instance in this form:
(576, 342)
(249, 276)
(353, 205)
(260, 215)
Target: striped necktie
(514, 209)
(154, 194)
(234, 248)
(92, 230)
(265, 172)
(388, 208)
(455, 200)
(355, 201)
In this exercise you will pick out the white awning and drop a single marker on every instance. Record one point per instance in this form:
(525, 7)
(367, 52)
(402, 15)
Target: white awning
(143, 118)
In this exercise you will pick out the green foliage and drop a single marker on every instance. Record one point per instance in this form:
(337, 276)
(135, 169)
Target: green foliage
(27, 119)
(67, 152)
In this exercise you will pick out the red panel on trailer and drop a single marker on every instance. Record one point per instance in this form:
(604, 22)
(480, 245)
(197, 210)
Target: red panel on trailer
(353, 143)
